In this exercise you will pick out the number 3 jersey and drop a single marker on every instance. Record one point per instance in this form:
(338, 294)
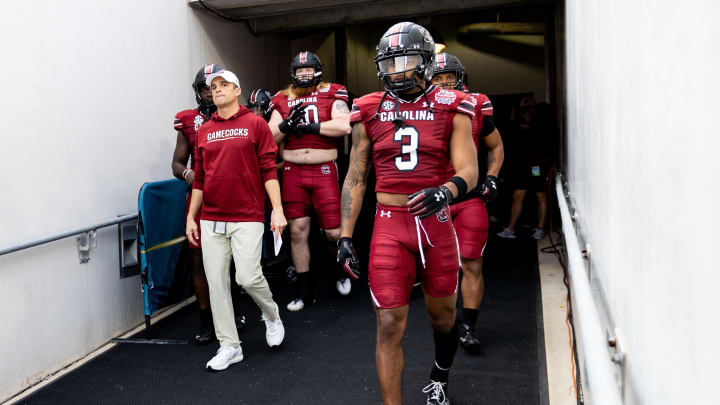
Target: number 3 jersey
(416, 156)
(320, 104)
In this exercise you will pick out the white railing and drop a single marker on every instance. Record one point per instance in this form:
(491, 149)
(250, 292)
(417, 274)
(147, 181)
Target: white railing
(67, 234)
(600, 386)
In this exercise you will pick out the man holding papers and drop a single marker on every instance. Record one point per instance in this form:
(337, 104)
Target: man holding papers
(235, 165)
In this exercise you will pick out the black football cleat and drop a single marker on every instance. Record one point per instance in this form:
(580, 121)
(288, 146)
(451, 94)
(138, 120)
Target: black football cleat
(240, 322)
(468, 340)
(205, 335)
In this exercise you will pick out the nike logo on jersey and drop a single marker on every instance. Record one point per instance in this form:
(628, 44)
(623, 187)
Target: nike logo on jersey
(413, 115)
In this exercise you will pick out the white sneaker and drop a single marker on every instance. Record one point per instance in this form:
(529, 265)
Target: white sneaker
(538, 234)
(226, 355)
(274, 331)
(296, 305)
(344, 286)
(507, 233)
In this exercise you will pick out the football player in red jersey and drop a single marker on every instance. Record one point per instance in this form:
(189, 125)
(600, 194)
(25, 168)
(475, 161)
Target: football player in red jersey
(469, 215)
(187, 123)
(411, 133)
(308, 116)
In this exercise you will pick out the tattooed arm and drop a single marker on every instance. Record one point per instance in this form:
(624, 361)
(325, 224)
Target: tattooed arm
(496, 153)
(339, 123)
(355, 181)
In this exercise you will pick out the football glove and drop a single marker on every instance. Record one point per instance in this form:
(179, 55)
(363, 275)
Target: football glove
(429, 201)
(347, 258)
(488, 190)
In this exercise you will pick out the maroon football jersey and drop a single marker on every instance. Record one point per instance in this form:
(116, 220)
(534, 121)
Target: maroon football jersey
(319, 109)
(188, 122)
(417, 156)
(483, 107)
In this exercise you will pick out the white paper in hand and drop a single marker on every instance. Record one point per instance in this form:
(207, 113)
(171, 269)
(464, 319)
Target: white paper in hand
(277, 239)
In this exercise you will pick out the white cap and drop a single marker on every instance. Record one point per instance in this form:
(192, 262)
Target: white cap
(225, 74)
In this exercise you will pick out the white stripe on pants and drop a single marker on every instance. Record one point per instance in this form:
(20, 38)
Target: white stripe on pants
(243, 242)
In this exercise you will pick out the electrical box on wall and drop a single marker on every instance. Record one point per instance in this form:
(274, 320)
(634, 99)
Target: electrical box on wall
(129, 252)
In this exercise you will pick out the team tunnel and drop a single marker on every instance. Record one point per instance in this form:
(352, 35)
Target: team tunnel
(511, 51)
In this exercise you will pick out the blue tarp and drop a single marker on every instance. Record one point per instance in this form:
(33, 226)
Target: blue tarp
(161, 228)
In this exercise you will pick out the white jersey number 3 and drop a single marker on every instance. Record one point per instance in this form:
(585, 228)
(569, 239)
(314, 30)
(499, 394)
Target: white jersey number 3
(408, 160)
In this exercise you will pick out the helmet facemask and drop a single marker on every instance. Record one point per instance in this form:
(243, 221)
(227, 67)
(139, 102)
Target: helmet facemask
(393, 71)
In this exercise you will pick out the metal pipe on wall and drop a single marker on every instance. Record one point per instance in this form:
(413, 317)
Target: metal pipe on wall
(600, 385)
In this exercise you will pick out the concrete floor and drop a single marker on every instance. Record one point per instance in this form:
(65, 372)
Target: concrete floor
(557, 339)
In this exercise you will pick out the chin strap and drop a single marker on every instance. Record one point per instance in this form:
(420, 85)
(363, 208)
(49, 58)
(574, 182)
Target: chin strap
(399, 119)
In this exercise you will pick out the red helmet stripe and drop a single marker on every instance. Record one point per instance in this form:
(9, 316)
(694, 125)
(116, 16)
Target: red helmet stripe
(396, 35)
(253, 96)
(441, 60)
(303, 57)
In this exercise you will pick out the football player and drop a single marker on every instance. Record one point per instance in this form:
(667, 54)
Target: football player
(308, 116)
(187, 122)
(410, 134)
(469, 215)
(259, 103)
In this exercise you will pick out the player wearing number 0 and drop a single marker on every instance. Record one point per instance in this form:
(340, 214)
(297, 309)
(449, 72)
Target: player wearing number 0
(469, 215)
(410, 134)
(308, 116)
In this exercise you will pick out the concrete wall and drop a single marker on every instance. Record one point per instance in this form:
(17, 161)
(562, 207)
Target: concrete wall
(642, 150)
(90, 93)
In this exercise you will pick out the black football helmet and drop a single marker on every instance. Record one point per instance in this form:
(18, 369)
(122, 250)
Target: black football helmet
(306, 59)
(405, 47)
(446, 63)
(199, 83)
(259, 102)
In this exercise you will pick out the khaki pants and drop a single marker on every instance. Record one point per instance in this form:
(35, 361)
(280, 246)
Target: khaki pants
(242, 242)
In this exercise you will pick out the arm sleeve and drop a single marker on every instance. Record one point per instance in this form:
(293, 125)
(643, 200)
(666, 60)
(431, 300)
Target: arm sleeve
(488, 125)
(465, 106)
(266, 150)
(274, 102)
(199, 180)
(487, 107)
(356, 113)
(178, 123)
(341, 93)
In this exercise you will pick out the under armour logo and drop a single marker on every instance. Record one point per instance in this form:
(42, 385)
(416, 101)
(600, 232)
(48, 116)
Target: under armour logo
(439, 196)
(384, 213)
(287, 167)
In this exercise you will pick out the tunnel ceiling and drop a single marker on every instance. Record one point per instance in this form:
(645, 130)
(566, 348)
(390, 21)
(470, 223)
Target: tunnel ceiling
(294, 15)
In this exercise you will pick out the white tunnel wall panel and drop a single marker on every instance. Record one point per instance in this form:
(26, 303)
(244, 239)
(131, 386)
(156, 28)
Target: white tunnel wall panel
(642, 154)
(91, 91)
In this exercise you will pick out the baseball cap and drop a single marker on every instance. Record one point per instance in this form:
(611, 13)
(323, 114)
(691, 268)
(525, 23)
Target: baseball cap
(225, 74)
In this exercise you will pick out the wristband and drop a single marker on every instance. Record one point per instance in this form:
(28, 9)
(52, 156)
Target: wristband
(314, 128)
(186, 172)
(461, 185)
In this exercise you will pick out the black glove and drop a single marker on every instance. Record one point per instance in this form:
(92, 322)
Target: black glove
(488, 190)
(429, 201)
(294, 117)
(347, 258)
(302, 128)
